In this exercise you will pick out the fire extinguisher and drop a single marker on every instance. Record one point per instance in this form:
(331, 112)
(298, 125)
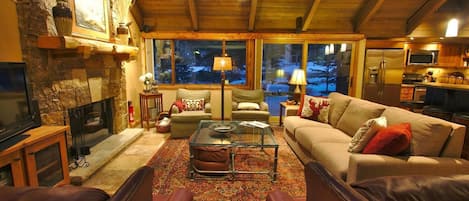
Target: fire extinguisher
(131, 112)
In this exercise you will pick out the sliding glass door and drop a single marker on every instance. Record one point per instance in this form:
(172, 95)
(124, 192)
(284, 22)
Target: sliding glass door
(327, 70)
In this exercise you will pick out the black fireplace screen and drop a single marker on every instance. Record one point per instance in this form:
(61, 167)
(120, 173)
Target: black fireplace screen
(90, 124)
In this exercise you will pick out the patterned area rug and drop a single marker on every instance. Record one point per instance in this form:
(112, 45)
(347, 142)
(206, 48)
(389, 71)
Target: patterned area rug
(171, 170)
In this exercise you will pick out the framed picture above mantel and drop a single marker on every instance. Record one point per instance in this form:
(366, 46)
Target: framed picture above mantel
(91, 19)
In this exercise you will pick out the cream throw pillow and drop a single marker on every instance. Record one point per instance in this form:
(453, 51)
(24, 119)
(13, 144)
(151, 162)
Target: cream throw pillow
(248, 106)
(365, 133)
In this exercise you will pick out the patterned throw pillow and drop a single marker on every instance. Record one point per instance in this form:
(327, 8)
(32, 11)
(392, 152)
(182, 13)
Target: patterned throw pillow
(314, 108)
(193, 104)
(365, 133)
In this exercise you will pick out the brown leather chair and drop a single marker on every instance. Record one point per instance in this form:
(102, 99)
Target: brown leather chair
(138, 187)
(322, 185)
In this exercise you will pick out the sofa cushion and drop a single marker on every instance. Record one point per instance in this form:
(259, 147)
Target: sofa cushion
(291, 123)
(365, 133)
(337, 107)
(307, 136)
(243, 95)
(416, 187)
(334, 157)
(193, 94)
(190, 116)
(357, 113)
(390, 141)
(428, 134)
(314, 108)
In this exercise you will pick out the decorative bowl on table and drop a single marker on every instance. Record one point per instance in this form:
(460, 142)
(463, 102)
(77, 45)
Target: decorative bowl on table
(222, 129)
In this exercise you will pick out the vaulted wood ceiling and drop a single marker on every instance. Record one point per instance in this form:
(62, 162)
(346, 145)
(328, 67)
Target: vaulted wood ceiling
(374, 18)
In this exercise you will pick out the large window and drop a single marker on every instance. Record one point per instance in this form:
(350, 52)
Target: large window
(193, 61)
(327, 69)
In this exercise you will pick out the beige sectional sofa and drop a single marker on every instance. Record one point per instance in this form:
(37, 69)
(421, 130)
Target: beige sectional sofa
(435, 148)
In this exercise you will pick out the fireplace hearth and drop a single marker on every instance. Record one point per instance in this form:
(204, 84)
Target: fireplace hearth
(89, 125)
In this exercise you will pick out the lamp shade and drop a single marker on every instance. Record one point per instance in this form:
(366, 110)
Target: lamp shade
(298, 77)
(222, 63)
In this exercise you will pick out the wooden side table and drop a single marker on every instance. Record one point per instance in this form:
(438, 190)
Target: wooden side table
(287, 110)
(150, 103)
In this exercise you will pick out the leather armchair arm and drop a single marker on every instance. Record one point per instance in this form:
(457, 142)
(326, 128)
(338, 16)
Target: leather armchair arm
(181, 195)
(322, 185)
(137, 187)
(278, 195)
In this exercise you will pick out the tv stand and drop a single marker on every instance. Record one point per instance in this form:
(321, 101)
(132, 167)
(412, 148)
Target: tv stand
(12, 141)
(38, 160)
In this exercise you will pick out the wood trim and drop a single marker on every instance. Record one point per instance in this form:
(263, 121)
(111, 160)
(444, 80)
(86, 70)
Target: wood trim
(84, 46)
(252, 15)
(247, 36)
(173, 63)
(428, 8)
(309, 15)
(193, 13)
(137, 13)
(250, 64)
(365, 14)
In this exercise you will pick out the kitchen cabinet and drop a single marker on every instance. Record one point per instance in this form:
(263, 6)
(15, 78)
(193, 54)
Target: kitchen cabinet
(39, 160)
(450, 55)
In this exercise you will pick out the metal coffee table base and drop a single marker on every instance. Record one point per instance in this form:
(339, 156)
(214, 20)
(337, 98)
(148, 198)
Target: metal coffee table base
(233, 172)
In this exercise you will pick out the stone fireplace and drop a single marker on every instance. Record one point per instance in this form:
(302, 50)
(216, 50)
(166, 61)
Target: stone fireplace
(65, 79)
(89, 125)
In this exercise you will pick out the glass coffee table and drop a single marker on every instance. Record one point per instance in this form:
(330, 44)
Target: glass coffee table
(231, 136)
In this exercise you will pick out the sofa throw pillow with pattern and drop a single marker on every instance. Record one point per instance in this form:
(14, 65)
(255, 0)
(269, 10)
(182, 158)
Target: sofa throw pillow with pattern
(365, 133)
(390, 141)
(314, 108)
(193, 104)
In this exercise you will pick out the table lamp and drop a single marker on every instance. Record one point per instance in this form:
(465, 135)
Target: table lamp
(298, 78)
(222, 64)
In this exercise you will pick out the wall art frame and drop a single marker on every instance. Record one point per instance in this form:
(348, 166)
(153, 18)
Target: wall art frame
(91, 19)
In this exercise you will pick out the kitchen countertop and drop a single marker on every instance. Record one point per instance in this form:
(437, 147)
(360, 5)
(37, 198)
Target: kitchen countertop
(462, 87)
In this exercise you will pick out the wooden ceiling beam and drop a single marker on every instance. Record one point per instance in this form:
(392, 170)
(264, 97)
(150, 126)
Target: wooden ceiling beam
(428, 8)
(365, 13)
(194, 16)
(252, 15)
(137, 13)
(309, 15)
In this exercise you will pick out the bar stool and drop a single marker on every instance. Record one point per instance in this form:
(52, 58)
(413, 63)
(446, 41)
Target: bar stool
(438, 112)
(463, 118)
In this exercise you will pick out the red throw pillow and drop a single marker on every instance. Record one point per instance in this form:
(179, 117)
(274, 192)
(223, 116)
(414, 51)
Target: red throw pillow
(391, 140)
(180, 105)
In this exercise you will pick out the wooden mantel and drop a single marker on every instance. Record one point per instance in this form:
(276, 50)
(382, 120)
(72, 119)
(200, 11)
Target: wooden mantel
(86, 47)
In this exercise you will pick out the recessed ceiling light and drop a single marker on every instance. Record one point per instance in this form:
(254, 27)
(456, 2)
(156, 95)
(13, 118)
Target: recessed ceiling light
(441, 38)
(411, 38)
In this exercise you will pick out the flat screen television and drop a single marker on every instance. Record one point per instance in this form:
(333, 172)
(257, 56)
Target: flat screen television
(17, 113)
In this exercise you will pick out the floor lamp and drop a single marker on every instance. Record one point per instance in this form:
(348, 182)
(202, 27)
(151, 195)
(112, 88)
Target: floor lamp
(298, 78)
(222, 64)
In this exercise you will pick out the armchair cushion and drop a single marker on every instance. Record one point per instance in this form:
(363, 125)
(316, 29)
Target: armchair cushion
(243, 95)
(248, 106)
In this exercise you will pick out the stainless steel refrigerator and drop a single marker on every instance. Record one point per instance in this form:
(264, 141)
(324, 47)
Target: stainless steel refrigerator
(383, 75)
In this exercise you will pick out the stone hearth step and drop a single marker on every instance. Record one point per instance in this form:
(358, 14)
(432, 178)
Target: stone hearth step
(105, 151)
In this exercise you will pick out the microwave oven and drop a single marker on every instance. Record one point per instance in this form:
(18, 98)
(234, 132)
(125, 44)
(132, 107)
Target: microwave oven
(422, 57)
